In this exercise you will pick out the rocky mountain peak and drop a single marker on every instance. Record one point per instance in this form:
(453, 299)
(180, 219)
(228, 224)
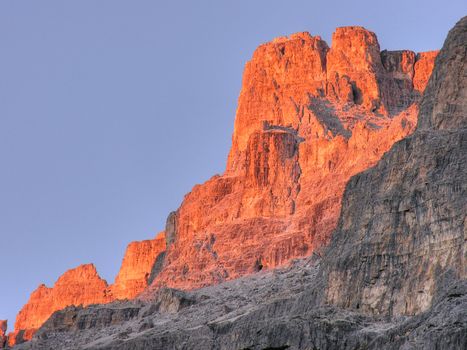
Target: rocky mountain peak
(83, 286)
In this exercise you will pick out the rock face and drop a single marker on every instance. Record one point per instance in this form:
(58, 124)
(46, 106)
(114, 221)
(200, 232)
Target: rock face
(393, 277)
(423, 68)
(403, 229)
(354, 62)
(79, 286)
(269, 310)
(136, 267)
(309, 117)
(3, 328)
(83, 286)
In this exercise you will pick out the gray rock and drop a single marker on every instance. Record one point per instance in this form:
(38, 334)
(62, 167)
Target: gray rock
(401, 237)
(157, 267)
(269, 310)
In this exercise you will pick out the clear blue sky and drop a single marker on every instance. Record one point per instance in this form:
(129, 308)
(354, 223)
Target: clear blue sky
(110, 111)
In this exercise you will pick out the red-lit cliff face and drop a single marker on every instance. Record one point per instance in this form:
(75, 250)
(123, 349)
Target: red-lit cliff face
(83, 286)
(309, 117)
(136, 267)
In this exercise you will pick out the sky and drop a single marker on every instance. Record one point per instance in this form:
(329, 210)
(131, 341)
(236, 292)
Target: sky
(111, 111)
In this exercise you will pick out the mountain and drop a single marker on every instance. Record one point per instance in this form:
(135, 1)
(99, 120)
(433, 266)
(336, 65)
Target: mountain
(309, 118)
(392, 277)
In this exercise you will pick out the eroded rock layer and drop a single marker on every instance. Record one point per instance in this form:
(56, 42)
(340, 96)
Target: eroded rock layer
(268, 310)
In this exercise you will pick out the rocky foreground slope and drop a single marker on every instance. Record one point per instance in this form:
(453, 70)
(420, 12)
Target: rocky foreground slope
(309, 117)
(393, 276)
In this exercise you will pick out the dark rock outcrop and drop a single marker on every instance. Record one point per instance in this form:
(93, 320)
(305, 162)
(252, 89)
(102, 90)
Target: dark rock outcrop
(3, 328)
(78, 318)
(403, 229)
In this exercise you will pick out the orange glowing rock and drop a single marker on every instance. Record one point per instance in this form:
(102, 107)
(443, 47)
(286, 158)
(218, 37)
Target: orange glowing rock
(355, 58)
(423, 68)
(309, 117)
(83, 286)
(78, 286)
(136, 267)
(20, 336)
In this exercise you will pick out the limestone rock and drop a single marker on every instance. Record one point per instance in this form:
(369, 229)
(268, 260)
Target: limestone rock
(136, 267)
(268, 310)
(402, 233)
(78, 318)
(355, 54)
(309, 117)
(393, 277)
(78, 286)
(171, 228)
(423, 68)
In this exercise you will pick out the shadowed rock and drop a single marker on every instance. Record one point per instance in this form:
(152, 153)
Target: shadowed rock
(402, 232)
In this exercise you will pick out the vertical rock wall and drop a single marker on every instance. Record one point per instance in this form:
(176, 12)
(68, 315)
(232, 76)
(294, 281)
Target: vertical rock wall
(402, 234)
(309, 117)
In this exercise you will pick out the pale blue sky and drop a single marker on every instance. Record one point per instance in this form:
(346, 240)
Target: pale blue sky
(110, 111)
